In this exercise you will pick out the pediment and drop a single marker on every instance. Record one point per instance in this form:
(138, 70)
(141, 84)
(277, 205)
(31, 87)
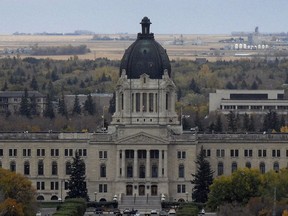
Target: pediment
(142, 138)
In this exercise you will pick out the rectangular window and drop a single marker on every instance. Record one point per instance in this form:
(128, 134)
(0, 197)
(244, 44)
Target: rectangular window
(234, 153)
(54, 152)
(275, 152)
(262, 153)
(103, 188)
(54, 185)
(1, 152)
(154, 153)
(248, 153)
(102, 154)
(40, 185)
(181, 188)
(68, 152)
(220, 152)
(181, 154)
(12, 152)
(207, 152)
(40, 152)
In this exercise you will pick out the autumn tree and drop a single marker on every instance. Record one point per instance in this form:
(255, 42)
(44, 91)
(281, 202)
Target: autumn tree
(18, 192)
(202, 179)
(77, 185)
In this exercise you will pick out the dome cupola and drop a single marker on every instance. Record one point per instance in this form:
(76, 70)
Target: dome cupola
(145, 56)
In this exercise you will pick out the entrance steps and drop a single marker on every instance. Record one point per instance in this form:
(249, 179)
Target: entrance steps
(140, 203)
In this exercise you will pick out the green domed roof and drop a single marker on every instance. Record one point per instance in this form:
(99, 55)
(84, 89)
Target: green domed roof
(145, 55)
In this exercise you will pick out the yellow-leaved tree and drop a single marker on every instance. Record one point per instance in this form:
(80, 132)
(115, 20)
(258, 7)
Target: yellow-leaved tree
(17, 194)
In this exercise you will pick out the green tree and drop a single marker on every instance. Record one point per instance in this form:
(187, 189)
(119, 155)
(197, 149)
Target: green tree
(239, 187)
(202, 179)
(76, 106)
(232, 121)
(89, 105)
(34, 84)
(77, 185)
(246, 122)
(25, 104)
(49, 111)
(5, 87)
(62, 108)
(271, 121)
(219, 125)
(33, 105)
(194, 87)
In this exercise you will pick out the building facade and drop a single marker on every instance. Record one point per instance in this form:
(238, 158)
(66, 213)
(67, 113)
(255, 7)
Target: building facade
(248, 101)
(144, 153)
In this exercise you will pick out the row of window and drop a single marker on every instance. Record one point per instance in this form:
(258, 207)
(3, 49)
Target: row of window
(40, 167)
(42, 152)
(247, 152)
(54, 185)
(234, 167)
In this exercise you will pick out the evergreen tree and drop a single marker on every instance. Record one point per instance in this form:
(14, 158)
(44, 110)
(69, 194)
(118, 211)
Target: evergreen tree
(202, 179)
(24, 104)
(77, 185)
(194, 87)
(232, 121)
(198, 122)
(112, 104)
(89, 105)
(49, 111)
(33, 105)
(76, 106)
(271, 121)
(251, 124)
(254, 85)
(62, 108)
(218, 126)
(5, 87)
(246, 122)
(34, 83)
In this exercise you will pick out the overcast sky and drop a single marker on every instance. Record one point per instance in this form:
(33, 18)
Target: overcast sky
(167, 16)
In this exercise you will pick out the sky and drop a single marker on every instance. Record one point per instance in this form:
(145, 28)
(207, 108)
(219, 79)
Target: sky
(124, 16)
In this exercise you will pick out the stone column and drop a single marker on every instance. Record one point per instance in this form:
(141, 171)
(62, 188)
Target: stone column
(123, 164)
(160, 164)
(135, 165)
(148, 164)
(165, 163)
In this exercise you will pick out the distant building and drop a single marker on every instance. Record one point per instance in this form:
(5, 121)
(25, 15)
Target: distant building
(100, 100)
(10, 101)
(248, 101)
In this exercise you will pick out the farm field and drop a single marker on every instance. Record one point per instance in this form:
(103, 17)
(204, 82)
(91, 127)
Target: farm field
(194, 46)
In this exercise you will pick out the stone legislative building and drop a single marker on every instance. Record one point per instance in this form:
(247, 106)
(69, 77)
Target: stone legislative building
(144, 154)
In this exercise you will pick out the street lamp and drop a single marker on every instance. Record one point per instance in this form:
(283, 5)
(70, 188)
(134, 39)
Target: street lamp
(186, 196)
(115, 198)
(163, 198)
(95, 194)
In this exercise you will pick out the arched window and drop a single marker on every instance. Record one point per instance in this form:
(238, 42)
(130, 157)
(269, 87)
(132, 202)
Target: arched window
(40, 168)
(262, 167)
(234, 167)
(276, 166)
(13, 166)
(26, 168)
(181, 171)
(248, 165)
(142, 171)
(68, 168)
(54, 168)
(54, 197)
(40, 198)
(220, 168)
(103, 170)
(154, 171)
